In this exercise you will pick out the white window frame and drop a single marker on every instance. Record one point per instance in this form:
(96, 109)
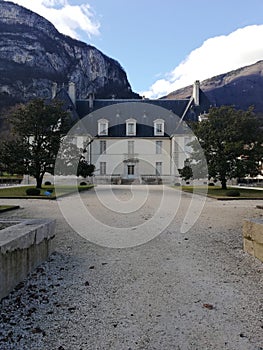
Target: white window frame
(130, 122)
(157, 124)
(103, 126)
(130, 148)
(159, 168)
(103, 146)
(103, 168)
(159, 147)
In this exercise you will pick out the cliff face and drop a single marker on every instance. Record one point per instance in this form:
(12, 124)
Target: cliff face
(33, 55)
(242, 88)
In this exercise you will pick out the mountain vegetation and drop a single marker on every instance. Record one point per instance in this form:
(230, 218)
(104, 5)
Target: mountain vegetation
(34, 55)
(241, 88)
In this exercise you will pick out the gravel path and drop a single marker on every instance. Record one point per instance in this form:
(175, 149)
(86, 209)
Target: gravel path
(190, 291)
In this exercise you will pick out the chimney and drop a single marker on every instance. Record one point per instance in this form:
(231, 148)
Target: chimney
(54, 90)
(72, 92)
(196, 91)
(91, 100)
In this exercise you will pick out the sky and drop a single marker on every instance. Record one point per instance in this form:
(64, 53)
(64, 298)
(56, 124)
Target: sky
(163, 45)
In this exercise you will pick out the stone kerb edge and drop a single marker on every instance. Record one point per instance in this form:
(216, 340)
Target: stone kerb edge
(26, 233)
(23, 246)
(253, 237)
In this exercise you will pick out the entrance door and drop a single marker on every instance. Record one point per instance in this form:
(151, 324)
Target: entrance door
(130, 171)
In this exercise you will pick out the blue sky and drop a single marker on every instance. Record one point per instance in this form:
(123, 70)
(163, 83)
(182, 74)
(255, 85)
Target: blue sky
(163, 45)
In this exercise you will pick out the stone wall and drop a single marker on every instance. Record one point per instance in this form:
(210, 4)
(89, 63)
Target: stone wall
(23, 246)
(253, 237)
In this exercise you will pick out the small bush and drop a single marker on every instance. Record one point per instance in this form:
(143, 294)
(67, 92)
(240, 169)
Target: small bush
(233, 193)
(211, 184)
(47, 183)
(83, 183)
(177, 184)
(33, 191)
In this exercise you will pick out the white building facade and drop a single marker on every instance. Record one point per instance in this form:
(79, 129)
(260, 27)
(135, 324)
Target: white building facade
(141, 141)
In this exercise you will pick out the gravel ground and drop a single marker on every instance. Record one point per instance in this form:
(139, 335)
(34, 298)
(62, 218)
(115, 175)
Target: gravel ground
(196, 290)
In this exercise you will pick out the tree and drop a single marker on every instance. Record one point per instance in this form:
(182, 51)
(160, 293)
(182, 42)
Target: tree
(186, 172)
(71, 159)
(85, 169)
(38, 128)
(232, 144)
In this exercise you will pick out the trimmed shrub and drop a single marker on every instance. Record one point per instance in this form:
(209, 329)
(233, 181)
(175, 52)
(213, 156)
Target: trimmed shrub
(233, 193)
(83, 183)
(33, 191)
(211, 184)
(47, 183)
(177, 184)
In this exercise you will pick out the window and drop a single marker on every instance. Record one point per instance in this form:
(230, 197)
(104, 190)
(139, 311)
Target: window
(158, 168)
(158, 127)
(103, 125)
(102, 168)
(187, 147)
(131, 127)
(130, 148)
(102, 147)
(159, 146)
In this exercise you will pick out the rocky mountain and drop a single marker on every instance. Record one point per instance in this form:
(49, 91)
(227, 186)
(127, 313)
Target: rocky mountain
(242, 88)
(34, 55)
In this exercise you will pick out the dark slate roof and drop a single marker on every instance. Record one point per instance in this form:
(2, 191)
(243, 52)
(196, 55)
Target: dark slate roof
(144, 113)
(63, 96)
(176, 106)
(205, 103)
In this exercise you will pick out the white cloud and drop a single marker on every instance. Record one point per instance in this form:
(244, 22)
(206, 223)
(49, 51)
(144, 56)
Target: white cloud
(216, 56)
(68, 19)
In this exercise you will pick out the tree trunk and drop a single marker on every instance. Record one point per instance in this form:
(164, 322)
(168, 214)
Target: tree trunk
(39, 180)
(223, 184)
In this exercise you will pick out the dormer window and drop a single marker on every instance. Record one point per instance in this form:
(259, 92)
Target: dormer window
(131, 127)
(103, 126)
(159, 127)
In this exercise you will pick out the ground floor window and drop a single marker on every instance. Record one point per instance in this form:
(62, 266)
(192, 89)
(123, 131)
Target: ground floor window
(130, 169)
(158, 168)
(102, 168)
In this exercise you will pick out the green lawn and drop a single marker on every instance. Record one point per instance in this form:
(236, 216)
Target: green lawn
(20, 191)
(218, 193)
(4, 208)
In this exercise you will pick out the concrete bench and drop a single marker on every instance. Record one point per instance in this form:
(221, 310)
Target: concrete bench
(253, 237)
(24, 244)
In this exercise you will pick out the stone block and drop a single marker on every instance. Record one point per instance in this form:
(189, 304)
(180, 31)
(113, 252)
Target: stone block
(23, 246)
(253, 237)
(258, 250)
(248, 246)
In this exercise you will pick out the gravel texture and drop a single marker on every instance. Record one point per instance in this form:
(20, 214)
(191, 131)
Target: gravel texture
(190, 291)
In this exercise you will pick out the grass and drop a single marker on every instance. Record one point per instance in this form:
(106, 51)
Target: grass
(20, 191)
(4, 208)
(218, 193)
